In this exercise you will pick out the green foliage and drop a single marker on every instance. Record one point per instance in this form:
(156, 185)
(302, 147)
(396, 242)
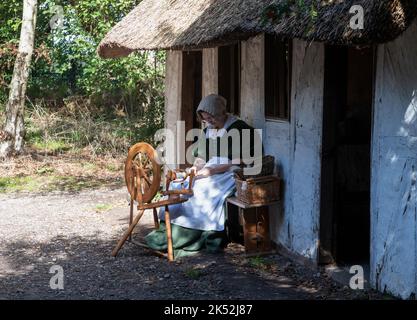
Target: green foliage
(65, 61)
(10, 20)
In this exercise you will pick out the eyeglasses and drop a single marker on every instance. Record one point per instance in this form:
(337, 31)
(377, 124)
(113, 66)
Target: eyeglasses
(208, 119)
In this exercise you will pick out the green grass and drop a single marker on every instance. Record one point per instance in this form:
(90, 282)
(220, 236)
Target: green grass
(45, 170)
(112, 167)
(103, 207)
(17, 184)
(193, 273)
(53, 146)
(50, 182)
(259, 262)
(89, 166)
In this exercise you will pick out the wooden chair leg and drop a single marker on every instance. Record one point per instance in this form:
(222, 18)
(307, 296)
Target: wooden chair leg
(132, 200)
(155, 218)
(169, 235)
(127, 233)
(131, 216)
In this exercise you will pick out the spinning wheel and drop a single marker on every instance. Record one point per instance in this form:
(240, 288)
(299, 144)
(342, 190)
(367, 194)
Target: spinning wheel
(143, 180)
(142, 161)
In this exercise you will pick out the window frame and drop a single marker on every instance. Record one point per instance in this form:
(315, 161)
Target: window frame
(276, 115)
(232, 75)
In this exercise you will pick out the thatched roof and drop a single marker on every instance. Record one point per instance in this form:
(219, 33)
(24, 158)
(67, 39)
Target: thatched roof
(193, 24)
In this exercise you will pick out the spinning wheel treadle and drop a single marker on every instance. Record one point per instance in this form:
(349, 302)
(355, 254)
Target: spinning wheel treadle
(143, 180)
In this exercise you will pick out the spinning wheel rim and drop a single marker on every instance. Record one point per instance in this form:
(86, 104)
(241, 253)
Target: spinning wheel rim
(154, 184)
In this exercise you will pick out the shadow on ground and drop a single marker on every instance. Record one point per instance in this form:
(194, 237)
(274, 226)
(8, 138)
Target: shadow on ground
(91, 273)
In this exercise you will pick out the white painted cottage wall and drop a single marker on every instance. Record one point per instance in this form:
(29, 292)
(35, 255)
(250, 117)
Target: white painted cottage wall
(252, 104)
(173, 81)
(394, 168)
(305, 147)
(277, 143)
(295, 144)
(210, 72)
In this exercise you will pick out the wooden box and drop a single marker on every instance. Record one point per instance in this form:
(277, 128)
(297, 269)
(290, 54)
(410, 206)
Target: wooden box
(258, 190)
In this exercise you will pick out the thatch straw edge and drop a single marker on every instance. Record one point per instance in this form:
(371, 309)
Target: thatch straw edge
(196, 24)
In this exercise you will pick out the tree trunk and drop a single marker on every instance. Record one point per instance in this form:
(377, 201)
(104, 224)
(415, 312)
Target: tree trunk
(12, 135)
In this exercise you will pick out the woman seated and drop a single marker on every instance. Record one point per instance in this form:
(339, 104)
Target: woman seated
(199, 223)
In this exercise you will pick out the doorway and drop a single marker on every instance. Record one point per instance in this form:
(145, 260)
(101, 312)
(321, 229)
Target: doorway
(346, 156)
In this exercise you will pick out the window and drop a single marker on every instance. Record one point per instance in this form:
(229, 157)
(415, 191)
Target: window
(229, 76)
(191, 92)
(277, 78)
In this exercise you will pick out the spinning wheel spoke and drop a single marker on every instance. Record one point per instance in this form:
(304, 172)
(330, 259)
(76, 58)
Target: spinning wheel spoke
(142, 160)
(142, 186)
(148, 181)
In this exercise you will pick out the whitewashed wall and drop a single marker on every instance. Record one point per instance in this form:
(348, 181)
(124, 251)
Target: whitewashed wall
(305, 147)
(252, 82)
(173, 82)
(210, 71)
(295, 144)
(394, 168)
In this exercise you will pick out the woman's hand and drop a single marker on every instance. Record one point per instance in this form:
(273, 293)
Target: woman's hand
(198, 164)
(209, 171)
(189, 170)
(205, 172)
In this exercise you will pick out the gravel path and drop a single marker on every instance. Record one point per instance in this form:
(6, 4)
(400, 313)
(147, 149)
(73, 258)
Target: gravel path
(78, 231)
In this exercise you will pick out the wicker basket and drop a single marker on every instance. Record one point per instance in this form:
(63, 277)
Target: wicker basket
(267, 169)
(258, 190)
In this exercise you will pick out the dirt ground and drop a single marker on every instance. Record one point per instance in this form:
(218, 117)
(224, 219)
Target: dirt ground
(77, 231)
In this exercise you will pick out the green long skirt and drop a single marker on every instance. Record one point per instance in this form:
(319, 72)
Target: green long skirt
(186, 241)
